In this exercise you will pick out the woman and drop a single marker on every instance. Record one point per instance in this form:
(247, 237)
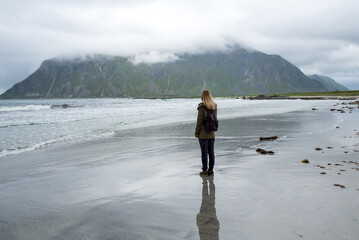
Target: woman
(206, 139)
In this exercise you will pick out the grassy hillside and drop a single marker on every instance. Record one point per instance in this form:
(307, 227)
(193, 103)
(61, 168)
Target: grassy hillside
(329, 83)
(336, 93)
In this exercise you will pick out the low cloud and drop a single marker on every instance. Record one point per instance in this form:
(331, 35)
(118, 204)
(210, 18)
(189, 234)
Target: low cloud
(321, 36)
(153, 57)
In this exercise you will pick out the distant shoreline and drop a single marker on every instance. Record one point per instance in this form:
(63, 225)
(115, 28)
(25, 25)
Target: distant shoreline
(339, 95)
(282, 97)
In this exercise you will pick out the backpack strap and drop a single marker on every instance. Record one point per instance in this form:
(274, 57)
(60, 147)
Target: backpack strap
(209, 111)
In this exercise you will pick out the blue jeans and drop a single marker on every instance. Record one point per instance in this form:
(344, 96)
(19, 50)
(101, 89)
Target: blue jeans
(207, 149)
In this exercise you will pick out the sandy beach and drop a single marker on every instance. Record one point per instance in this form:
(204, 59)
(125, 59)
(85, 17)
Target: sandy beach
(145, 183)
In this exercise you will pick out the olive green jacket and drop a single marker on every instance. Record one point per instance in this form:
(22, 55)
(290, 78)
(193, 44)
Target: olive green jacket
(202, 115)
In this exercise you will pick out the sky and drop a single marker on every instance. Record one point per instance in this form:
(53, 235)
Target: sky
(318, 36)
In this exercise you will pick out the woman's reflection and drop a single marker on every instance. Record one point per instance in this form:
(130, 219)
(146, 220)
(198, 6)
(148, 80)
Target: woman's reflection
(207, 222)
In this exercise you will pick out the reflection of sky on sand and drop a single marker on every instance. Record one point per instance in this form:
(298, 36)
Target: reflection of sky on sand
(207, 222)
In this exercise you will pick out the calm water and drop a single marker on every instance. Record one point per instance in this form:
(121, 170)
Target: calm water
(26, 125)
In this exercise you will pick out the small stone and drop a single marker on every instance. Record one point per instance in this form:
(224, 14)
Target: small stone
(262, 151)
(339, 185)
(305, 161)
(329, 164)
(318, 149)
(268, 138)
(330, 147)
(323, 173)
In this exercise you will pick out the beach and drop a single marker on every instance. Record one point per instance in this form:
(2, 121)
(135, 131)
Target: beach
(143, 182)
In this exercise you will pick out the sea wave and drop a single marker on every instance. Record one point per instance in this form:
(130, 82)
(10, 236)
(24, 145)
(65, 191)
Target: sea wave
(24, 108)
(53, 122)
(80, 137)
(20, 124)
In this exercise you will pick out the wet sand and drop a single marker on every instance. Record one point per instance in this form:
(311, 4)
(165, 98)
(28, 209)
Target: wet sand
(144, 184)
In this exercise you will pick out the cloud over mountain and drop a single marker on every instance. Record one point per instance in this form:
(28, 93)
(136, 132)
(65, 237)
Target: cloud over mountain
(317, 36)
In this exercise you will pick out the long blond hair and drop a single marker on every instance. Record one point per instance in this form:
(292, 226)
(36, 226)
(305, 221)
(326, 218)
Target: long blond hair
(208, 101)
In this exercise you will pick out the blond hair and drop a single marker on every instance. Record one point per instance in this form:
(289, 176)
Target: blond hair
(208, 101)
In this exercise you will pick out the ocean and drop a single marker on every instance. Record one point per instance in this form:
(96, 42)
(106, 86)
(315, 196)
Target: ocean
(27, 125)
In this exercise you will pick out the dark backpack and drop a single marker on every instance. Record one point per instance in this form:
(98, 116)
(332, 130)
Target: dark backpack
(211, 122)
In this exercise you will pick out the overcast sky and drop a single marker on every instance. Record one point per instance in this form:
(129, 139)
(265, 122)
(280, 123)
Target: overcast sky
(318, 36)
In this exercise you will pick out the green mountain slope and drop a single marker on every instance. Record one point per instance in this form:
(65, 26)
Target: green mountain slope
(235, 72)
(329, 83)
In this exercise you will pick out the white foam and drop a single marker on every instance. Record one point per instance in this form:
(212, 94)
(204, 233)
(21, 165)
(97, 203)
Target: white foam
(87, 136)
(24, 108)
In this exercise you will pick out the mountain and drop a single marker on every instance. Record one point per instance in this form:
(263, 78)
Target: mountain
(238, 71)
(329, 83)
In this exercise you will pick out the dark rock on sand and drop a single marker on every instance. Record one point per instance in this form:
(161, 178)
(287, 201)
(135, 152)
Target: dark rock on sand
(262, 151)
(268, 138)
(354, 162)
(339, 185)
(265, 97)
(305, 161)
(318, 149)
(354, 103)
(323, 173)
(320, 166)
(314, 109)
